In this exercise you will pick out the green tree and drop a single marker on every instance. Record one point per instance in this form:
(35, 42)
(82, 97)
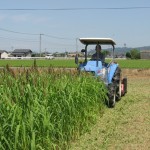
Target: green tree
(128, 55)
(135, 54)
(105, 52)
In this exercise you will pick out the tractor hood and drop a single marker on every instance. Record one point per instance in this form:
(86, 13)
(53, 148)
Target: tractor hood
(92, 66)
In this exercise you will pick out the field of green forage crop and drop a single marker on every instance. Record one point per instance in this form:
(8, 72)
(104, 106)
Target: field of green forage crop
(46, 110)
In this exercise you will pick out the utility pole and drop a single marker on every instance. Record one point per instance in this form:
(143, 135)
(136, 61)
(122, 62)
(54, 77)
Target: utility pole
(40, 43)
(76, 57)
(77, 45)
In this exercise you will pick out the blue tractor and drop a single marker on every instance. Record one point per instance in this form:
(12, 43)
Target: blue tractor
(109, 73)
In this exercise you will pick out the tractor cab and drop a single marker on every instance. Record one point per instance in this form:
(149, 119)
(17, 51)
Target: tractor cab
(97, 66)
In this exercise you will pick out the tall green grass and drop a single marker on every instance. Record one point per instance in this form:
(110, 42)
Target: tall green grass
(46, 110)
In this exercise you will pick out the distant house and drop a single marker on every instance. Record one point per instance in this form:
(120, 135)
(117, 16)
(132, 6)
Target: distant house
(145, 54)
(74, 54)
(59, 54)
(22, 53)
(3, 54)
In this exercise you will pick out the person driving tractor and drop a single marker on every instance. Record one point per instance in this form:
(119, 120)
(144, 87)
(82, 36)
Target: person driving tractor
(98, 55)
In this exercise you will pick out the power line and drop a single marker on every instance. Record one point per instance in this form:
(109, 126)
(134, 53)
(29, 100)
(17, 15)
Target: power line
(30, 40)
(40, 39)
(51, 36)
(20, 39)
(74, 9)
(17, 32)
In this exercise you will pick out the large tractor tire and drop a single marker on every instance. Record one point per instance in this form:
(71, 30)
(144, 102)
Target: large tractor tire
(114, 89)
(111, 95)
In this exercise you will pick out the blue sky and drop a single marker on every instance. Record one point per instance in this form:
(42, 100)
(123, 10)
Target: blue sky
(125, 26)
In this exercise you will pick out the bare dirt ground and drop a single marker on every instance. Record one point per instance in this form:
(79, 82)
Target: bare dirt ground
(127, 126)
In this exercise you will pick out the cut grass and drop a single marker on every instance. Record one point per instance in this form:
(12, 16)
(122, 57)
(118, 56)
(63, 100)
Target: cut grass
(124, 127)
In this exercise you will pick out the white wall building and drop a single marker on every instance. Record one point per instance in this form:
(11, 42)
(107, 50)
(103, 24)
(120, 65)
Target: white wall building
(3, 54)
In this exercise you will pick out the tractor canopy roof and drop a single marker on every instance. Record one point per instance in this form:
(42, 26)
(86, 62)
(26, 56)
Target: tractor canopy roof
(102, 41)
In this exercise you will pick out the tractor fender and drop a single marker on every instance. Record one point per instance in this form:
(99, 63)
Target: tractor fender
(111, 70)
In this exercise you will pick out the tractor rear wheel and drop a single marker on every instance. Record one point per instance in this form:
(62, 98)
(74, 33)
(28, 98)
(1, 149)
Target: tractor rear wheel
(116, 80)
(111, 95)
(114, 89)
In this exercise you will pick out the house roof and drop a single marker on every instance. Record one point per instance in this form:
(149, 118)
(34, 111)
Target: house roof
(21, 51)
(2, 51)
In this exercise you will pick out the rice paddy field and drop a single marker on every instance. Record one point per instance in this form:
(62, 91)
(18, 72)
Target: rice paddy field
(49, 109)
(70, 63)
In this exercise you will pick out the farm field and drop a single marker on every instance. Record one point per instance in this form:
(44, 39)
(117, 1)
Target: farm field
(70, 63)
(30, 97)
(127, 126)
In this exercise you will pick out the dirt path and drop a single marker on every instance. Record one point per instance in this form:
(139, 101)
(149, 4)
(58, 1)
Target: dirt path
(125, 127)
